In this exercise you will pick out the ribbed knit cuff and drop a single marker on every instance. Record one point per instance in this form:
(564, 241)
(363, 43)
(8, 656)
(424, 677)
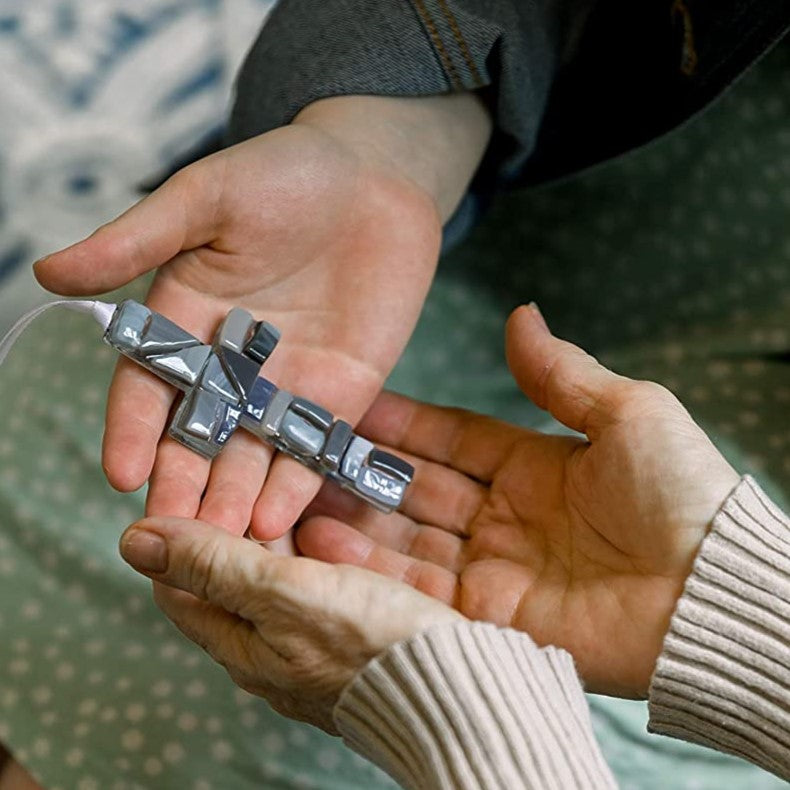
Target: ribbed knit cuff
(470, 705)
(723, 678)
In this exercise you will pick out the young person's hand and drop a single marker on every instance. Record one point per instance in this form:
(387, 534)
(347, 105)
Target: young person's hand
(289, 629)
(582, 544)
(328, 228)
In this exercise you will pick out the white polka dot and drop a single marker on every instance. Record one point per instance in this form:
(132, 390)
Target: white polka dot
(196, 688)
(135, 650)
(328, 759)
(173, 752)
(74, 758)
(31, 610)
(132, 740)
(273, 743)
(213, 725)
(95, 647)
(222, 751)
(87, 707)
(18, 667)
(64, 671)
(187, 722)
(162, 688)
(135, 712)
(41, 695)
(153, 766)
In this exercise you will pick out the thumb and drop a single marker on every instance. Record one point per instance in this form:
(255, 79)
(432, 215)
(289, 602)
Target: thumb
(200, 559)
(558, 376)
(180, 215)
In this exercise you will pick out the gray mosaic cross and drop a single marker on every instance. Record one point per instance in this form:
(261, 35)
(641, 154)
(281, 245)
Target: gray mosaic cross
(223, 391)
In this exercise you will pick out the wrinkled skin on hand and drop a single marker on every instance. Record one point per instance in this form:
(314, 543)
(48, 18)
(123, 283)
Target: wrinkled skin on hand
(289, 629)
(584, 544)
(337, 252)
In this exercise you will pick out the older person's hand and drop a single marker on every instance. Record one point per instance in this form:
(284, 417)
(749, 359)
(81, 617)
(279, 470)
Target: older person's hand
(289, 629)
(584, 544)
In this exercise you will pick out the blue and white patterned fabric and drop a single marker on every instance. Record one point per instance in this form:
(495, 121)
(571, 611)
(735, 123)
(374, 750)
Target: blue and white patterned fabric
(100, 98)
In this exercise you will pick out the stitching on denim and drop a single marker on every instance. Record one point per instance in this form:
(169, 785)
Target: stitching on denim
(444, 55)
(461, 41)
(689, 58)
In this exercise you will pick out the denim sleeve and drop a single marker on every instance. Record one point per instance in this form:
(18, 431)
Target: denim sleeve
(510, 50)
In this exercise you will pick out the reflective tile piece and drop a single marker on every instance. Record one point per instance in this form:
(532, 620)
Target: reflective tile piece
(380, 487)
(264, 339)
(391, 465)
(227, 424)
(162, 335)
(313, 412)
(355, 457)
(301, 436)
(235, 330)
(214, 379)
(275, 411)
(241, 370)
(202, 414)
(126, 329)
(183, 366)
(336, 444)
(258, 399)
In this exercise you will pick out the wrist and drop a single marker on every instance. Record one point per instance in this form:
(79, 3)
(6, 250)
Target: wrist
(434, 142)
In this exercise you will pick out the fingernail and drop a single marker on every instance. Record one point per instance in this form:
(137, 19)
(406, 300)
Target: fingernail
(538, 315)
(144, 550)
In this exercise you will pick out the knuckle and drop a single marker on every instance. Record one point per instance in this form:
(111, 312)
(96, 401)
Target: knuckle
(203, 569)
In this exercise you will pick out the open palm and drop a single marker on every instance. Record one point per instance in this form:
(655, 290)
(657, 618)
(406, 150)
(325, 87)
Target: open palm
(292, 226)
(582, 544)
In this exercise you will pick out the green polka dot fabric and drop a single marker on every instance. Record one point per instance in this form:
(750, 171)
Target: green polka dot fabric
(671, 264)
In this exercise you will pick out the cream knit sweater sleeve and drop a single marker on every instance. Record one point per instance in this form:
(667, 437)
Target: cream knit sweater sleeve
(474, 706)
(723, 677)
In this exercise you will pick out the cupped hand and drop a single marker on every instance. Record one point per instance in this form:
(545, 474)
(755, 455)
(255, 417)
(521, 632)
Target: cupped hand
(333, 249)
(584, 544)
(289, 629)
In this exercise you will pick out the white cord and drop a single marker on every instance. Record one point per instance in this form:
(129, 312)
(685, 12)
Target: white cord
(102, 313)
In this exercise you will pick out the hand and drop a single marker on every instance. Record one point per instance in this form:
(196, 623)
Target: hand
(324, 231)
(291, 630)
(582, 544)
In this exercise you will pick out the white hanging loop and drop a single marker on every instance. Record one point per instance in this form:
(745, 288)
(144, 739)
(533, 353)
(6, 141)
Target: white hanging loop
(102, 312)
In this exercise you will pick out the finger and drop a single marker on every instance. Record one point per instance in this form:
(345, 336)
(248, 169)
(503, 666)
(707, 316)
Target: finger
(235, 482)
(330, 379)
(470, 443)
(288, 490)
(558, 376)
(437, 496)
(139, 404)
(203, 560)
(177, 481)
(137, 407)
(394, 531)
(182, 214)
(332, 541)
